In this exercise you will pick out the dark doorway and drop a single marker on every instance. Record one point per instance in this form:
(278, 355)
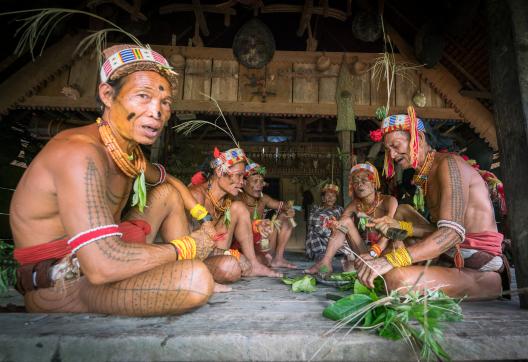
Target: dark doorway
(273, 187)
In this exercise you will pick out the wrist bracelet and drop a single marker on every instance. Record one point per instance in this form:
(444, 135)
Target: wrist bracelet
(407, 226)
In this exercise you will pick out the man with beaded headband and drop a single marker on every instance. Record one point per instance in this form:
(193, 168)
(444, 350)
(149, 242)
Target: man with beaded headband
(75, 256)
(459, 204)
(367, 203)
(216, 187)
(257, 202)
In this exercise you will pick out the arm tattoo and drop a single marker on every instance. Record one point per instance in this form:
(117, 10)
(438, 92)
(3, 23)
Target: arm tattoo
(457, 195)
(99, 214)
(117, 250)
(446, 238)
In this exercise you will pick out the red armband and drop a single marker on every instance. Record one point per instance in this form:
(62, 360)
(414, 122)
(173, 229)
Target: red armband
(89, 236)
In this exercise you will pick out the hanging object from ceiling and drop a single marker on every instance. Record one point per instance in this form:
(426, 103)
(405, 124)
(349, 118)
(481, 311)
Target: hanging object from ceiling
(419, 99)
(366, 26)
(429, 44)
(254, 45)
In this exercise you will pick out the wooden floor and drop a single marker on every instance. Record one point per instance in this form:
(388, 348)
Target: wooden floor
(261, 319)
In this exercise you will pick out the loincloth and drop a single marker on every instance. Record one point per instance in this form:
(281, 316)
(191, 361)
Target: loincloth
(257, 238)
(482, 252)
(44, 265)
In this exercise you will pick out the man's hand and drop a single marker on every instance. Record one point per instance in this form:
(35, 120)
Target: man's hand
(289, 212)
(383, 224)
(369, 269)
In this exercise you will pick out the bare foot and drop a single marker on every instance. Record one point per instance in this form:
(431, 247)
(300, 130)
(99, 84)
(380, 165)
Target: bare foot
(221, 288)
(282, 263)
(259, 270)
(317, 267)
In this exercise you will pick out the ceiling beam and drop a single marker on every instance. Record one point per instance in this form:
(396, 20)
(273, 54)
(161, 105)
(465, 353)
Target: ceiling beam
(475, 94)
(448, 87)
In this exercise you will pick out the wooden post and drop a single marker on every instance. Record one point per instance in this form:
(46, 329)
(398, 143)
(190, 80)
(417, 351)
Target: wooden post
(346, 143)
(508, 34)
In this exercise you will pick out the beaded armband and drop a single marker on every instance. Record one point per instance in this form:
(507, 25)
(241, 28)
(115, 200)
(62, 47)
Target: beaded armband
(163, 175)
(199, 213)
(407, 226)
(185, 247)
(399, 257)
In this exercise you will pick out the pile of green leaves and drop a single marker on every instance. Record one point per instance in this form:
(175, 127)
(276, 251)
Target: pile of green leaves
(414, 317)
(7, 267)
(302, 283)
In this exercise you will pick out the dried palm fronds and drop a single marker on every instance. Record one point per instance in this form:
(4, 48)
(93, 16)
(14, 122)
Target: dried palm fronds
(188, 127)
(39, 26)
(386, 68)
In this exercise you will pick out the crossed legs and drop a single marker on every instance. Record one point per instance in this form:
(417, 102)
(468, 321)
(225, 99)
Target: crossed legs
(338, 240)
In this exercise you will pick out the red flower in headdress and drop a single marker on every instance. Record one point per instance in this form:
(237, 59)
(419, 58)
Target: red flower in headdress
(198, 178)
(376, 135)
(216, 152)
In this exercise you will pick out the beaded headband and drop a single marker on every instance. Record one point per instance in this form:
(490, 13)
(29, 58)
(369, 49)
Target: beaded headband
(136, 59)
(370, 168)
(400, 122)
(253, 168)
(331, 188)
(226, 159)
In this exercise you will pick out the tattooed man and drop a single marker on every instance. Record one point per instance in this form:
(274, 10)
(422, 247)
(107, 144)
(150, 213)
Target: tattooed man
(257, 202)
(363, 186)
(459, 204)
(216, 186)
(66, 209)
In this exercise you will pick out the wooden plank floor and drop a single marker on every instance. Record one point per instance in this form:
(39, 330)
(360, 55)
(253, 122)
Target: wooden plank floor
(261, 319)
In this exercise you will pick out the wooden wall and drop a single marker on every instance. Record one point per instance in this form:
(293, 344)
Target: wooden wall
(289, 85)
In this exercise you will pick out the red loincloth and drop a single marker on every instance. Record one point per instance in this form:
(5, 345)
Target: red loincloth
(256, 242)
(134, 232)
(488, 241)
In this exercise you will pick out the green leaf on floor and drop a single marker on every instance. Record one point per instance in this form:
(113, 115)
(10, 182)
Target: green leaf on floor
(302, 283)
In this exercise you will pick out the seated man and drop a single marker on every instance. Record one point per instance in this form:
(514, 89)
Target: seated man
(69, 201)
(363, 185)
(215, 187)
(458, 202)
(321, 222)
(257, 202)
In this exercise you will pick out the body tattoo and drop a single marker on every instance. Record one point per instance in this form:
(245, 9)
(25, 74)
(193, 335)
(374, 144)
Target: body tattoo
(446, 238)
(99, 214)
(457, 196)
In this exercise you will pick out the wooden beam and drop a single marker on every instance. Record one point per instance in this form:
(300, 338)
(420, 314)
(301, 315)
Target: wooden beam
(234, 125)
(240, 107)
(224, 8)
(316, 10)
(448, 86)
(306, 16)
(32, 75)
(508, 32)
(475, 94)
(200, 18)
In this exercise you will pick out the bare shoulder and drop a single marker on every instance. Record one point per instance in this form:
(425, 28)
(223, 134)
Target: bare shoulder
(74, 145)
(452, 168)
(266, 199)
(389, 199)
(198, 192)
(351, 208)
